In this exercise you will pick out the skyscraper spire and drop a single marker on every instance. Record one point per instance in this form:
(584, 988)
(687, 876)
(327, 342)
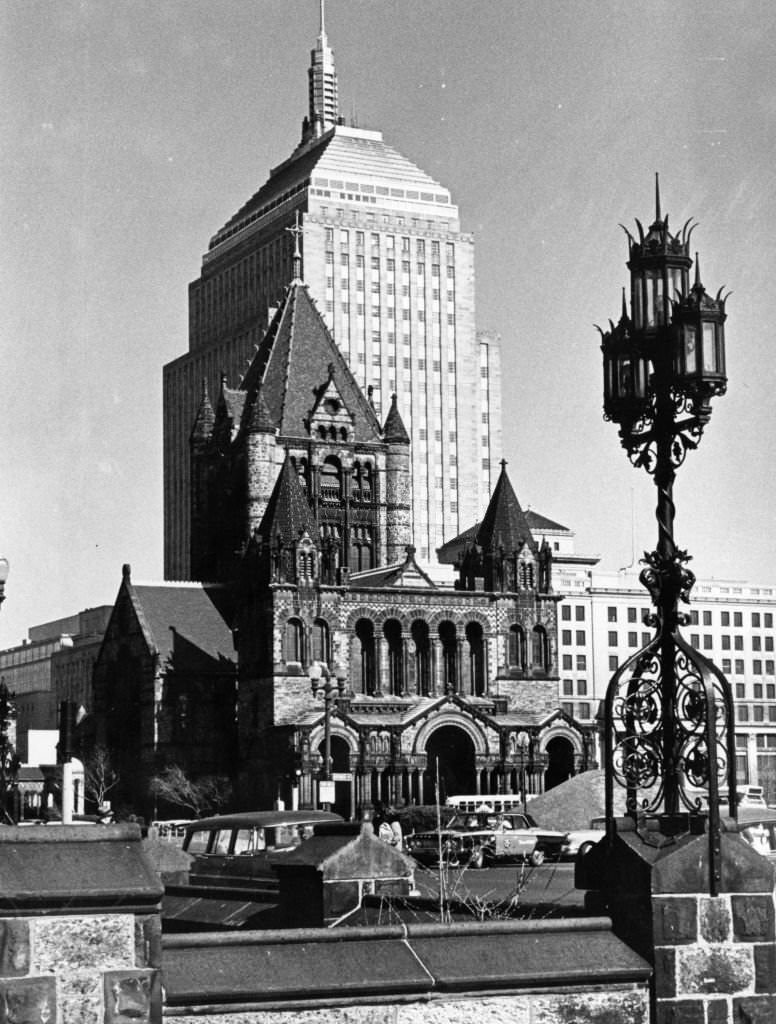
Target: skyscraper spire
(324, 102)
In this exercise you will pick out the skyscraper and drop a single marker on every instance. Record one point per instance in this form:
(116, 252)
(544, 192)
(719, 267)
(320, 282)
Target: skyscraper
(393, 274)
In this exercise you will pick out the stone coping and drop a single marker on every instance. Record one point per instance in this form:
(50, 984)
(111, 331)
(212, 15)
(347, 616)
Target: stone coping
(284, 966)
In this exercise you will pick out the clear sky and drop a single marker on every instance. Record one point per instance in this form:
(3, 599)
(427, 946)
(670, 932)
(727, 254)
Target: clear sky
(132, 131)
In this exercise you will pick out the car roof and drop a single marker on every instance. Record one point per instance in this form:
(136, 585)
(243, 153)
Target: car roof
(262, 819)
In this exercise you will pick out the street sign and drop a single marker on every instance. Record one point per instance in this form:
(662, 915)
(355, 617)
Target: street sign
(326, 792)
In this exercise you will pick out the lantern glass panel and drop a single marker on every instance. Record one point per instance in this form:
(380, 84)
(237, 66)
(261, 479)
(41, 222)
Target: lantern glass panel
(650, 282)
(637, 301)
(675, 291)
(709, 349)
(625, 382)
(690, 348)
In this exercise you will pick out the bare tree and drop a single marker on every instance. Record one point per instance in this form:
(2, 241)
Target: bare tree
(205, 795)
(100, 777)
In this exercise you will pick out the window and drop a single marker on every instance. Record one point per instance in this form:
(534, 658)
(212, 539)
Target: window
(738, 643)
(707, 618)
(611, 614)
(695, 640)
(727, 666)
(612, 638)
(707, 641)
(756, 620)
(581, 638)
(768, 620)
(740, 691)
(694, 618)
(739, 666)
(579, 613)
(758, 691)
(725, 642)
(632, 615)
(742, 713)
(566, 637)
(568, 663)
(759, 713)
(584, 709)
(581, 663)
(738, 618)
(757, 667)
(725, 618)
(613, 666)
(769, 669)
(582, 687)
(568, 687)
(756, 645)
(633, 639)
(565, 612)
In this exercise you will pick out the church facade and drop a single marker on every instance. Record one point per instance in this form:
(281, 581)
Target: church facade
(300, 504)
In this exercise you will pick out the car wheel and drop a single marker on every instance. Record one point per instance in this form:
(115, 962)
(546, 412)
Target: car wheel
(477, 859)
(585, 848)
(537, 858)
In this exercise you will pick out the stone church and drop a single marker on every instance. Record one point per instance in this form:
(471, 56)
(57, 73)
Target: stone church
(301, 508)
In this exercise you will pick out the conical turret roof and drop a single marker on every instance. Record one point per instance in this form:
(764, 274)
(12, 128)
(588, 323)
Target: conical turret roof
(504, 524)
(259, 419)
(394, 431)
(206, 417)
(288, 514)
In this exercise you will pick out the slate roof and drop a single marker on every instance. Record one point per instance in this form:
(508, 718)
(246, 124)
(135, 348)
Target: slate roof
(504, 524)
(394, 431)
(298, 356)
(449, 552)
(287, 514)
(401, 574)
(206, 417)
(198, 613)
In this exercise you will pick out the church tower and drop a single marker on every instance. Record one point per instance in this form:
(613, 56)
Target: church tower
(383, 250)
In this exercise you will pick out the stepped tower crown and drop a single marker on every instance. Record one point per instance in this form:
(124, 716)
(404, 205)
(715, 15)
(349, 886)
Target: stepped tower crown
(324, 101)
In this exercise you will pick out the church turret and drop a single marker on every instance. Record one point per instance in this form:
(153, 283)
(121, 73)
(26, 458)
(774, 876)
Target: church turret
(398, 485)
(504, 555)
(260, 467)
(288, 535)
(200, 444)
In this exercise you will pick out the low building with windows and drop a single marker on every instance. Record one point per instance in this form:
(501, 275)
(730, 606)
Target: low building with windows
(731, 623)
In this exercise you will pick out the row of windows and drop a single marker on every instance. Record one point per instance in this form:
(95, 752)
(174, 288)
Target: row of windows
(390, 244)
(755, 713)
(757, 643)
(583, 710)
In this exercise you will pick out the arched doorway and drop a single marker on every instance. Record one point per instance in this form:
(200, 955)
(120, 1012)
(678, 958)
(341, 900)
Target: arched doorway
(450, 751)
(340, 769)
(560, 762)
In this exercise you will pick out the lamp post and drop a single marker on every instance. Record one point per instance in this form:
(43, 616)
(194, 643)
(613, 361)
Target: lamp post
(523, 741)
(328, 685)
(668, 712)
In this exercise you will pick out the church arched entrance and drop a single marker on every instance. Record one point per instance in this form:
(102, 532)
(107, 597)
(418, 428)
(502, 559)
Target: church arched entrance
(340, 769)
(560, 762)
(450, 755)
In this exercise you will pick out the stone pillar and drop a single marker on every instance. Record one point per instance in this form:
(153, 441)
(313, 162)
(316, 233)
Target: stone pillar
(714, 957)
(437, 664)
(383, 678)
(80, 925)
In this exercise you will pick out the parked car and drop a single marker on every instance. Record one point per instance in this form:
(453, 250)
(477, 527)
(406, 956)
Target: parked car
(239, 849)
(479, 839)
(580, 840)
(758, 827)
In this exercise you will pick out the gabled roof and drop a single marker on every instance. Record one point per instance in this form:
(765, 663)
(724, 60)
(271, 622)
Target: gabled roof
(402, 574)
(504, 524)
(288, 514)
(197, 613)
(206, 417)
(295, 358)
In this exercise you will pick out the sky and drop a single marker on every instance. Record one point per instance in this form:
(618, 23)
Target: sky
(131, 131)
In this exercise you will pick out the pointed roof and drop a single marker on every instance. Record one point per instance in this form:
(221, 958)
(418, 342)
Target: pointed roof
(403, 574)
(504, 524)
(288, 514)
(206, 417)
(394, 431)
(296, 356)
(258, 419)
(324, 103)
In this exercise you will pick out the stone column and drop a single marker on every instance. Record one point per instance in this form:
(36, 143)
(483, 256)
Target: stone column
(383, 678)
(437, 662)
(714, 958)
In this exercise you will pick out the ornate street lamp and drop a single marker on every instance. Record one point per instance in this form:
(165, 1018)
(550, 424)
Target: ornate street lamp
(329, 685)
(668, 713)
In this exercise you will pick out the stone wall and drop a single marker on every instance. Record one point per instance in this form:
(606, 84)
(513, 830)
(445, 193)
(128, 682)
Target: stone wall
(80, 927)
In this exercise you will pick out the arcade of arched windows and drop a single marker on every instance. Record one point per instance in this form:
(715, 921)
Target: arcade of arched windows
(397, 658)
(528, 651)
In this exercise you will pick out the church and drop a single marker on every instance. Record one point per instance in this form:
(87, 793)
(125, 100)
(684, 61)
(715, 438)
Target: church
(300, 508)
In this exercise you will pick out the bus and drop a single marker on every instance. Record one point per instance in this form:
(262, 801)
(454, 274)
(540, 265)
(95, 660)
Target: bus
(485, 803)
(239, 849)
